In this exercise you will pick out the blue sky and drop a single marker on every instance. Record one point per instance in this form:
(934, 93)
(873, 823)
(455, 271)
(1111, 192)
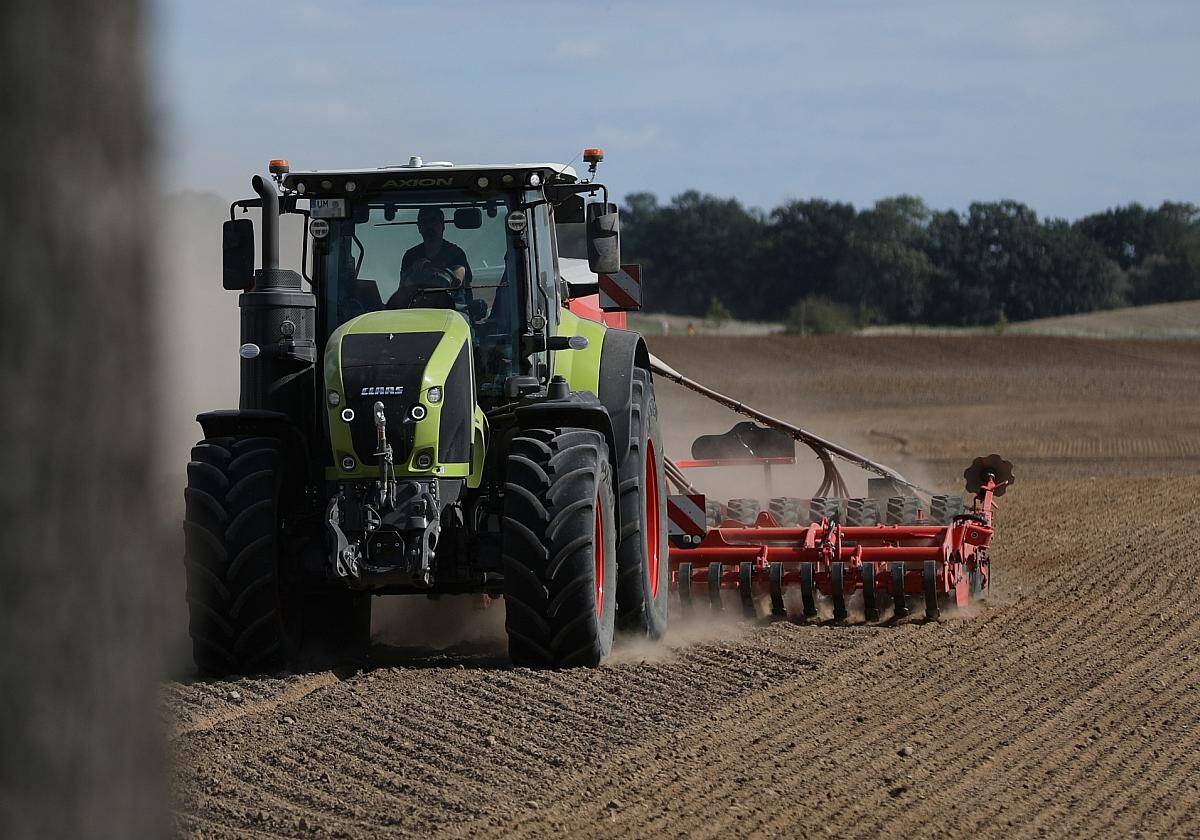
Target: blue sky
(1070, 107)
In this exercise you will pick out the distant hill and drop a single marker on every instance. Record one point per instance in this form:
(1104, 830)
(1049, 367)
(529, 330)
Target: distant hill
(1160, 320)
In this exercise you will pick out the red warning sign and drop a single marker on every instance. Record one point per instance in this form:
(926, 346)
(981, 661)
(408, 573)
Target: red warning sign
(621, 292)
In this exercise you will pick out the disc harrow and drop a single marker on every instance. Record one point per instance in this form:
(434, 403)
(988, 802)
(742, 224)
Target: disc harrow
(902, 547)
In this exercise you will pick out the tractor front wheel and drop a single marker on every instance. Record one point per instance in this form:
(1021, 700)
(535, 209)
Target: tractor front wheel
(559, 549)
(245, 616)
(231, 532)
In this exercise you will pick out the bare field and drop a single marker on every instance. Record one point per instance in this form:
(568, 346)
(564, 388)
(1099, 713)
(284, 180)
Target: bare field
(1160, 320)
(1065, 706)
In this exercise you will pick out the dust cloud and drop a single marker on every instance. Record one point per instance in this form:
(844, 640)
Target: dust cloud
(439, 623)
(197, 335)
(704, 626)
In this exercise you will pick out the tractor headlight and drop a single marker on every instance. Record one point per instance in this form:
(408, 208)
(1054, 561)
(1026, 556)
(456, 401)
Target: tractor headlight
(434, 395)
(347, 463)
(423, 461)
(417, 412)
(334, 398)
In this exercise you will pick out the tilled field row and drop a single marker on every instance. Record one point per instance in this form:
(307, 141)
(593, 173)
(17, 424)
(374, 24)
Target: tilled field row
(1064, 705)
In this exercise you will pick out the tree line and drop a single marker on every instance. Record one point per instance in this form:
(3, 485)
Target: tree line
(902, 262)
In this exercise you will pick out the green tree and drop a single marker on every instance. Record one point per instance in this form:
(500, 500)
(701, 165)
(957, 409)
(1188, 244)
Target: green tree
(806, 245)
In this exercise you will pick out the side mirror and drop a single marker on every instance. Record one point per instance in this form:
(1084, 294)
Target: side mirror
(468, 218)
(238, 259)
(603, 238)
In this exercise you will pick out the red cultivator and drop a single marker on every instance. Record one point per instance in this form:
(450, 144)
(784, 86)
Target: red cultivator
(888, 546)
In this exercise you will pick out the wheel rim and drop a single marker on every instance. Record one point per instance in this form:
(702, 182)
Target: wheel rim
(598, 554)
(652, 523)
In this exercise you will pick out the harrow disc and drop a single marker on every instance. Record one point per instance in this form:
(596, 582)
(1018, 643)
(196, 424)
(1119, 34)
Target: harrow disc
(901, 602)
(745, 589)
(929, 578)
(684, 583)
(994, 464)
(777, 606)
(870, 605)
(714, 586)
(837, 589)
(807, 596)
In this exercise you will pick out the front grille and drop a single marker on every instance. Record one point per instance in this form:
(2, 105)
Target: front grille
(394, 362)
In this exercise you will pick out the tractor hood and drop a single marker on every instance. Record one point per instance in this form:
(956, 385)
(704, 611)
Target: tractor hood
(417, 363)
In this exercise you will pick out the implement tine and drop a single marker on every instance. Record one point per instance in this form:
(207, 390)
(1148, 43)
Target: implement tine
(897, 572)
(777, 607)
(806, 590)
(714, 585)
(746, 589)
(837, 588)
(684, 581)
(929, 578)
(870, 606)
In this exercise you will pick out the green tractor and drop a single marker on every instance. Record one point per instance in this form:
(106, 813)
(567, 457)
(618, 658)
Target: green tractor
(424, 411)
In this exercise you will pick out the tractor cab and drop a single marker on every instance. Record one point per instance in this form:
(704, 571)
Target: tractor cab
(475, 239)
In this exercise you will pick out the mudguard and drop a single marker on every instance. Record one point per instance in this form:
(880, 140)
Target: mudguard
(243, 422)
(621, 353)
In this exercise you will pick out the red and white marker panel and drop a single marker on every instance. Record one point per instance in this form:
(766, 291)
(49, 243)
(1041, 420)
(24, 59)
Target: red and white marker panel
(621, 291)
(686, 517)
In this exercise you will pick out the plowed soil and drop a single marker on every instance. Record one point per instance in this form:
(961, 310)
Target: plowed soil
(1064, 705)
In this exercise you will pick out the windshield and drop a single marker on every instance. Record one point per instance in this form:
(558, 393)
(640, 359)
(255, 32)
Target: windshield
(437, 250)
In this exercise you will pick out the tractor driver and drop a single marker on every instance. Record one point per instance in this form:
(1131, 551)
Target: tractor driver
(431, 264)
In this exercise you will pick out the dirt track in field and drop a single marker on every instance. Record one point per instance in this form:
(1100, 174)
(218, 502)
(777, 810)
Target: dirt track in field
(1064, 706)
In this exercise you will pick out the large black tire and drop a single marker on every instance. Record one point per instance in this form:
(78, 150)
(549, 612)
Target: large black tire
(744, 510)
(245, 617)
(824, 507)
(559, 551)
(642, 569)
(790, 512)
(903, 510)
(862, 512)
(944, 507)
(231, 529)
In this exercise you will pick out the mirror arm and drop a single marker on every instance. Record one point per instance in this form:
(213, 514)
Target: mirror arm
(245, 204)
(558, 193)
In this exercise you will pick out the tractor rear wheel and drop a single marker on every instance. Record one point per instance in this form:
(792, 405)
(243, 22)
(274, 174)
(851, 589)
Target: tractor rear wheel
(231, 532)
(559, 549)
(642, 571)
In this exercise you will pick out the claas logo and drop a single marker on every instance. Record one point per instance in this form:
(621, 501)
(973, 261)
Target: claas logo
(383, 391)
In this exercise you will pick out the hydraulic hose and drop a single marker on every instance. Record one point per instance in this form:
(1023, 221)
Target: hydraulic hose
(817, 443)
